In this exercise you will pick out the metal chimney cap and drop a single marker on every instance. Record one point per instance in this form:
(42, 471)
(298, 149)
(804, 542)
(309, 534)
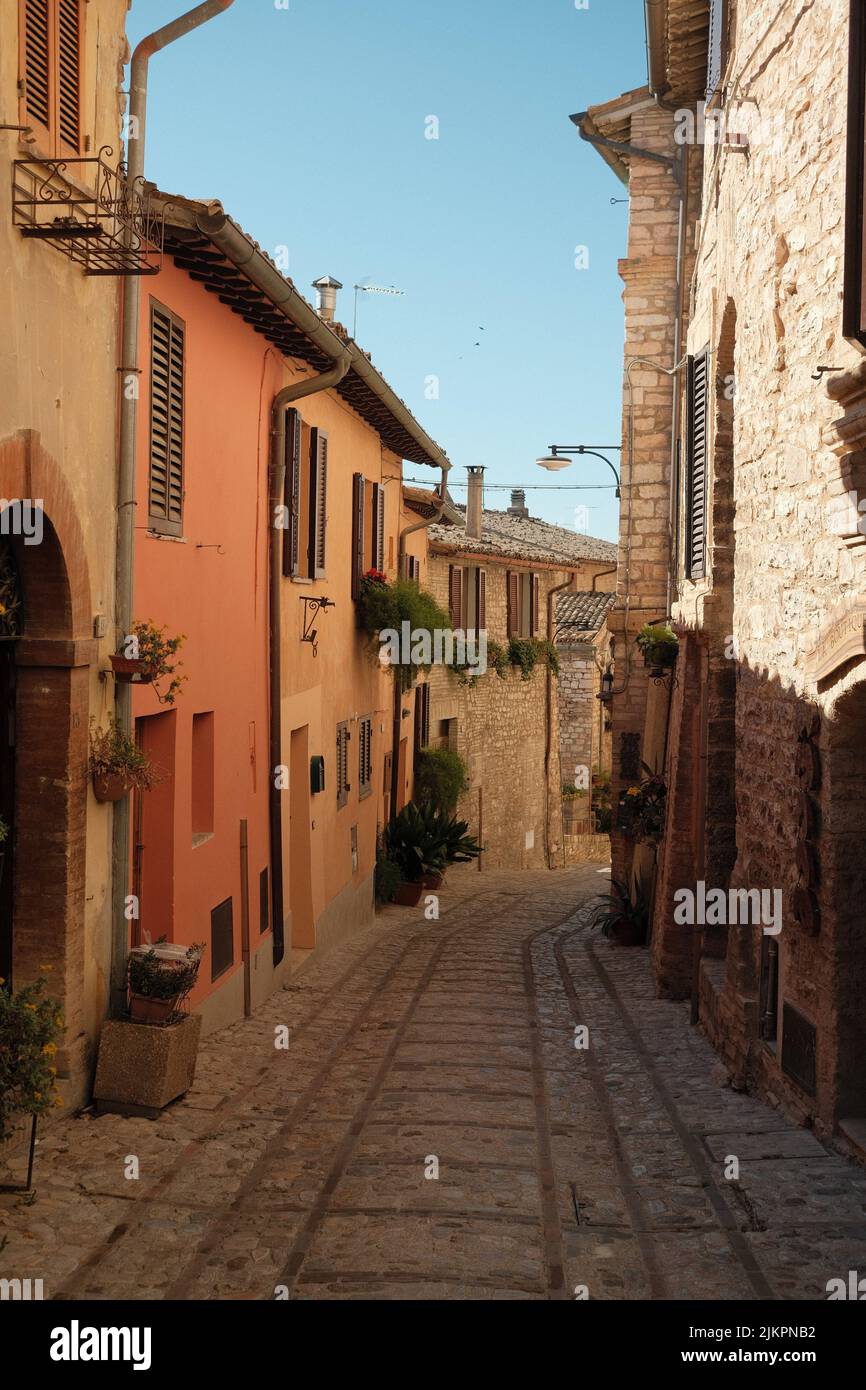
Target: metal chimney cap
(327, 282)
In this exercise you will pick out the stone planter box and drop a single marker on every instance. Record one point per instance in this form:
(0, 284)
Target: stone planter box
(142, 1068)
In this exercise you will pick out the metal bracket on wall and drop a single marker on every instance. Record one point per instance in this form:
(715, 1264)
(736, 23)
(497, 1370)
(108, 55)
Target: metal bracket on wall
(312, 606)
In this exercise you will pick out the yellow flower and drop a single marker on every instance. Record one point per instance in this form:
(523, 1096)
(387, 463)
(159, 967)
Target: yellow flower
(633, 791)
(30, 1006)
(49, 1049)
(37, 1095)
(52, 1071)
(46, 968)
(58, 1100)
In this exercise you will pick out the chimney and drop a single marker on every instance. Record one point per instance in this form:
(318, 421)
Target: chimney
(475, 502)
(326, 291)
(518, 504)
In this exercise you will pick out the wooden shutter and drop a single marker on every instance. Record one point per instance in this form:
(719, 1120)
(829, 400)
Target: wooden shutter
(696, 465)
(358, 507)
(292, 495)
(69, 37)
(422, 716)
(35, 21)
(480, 599)
(342, 765)
(512, 594)
(318, 502)
(534, 603)
(365, 757)
(165, 492)
(377, 515)
(455, 595)
(717, 52)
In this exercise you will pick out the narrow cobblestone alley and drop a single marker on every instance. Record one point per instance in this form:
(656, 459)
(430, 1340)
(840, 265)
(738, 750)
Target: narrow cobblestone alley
(303, 1172)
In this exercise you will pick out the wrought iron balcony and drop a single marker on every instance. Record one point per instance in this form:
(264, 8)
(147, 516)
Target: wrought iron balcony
(87, 209)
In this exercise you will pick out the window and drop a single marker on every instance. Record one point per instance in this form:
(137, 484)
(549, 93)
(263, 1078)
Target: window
(412, 568)
(455, 595)
(264, 901)
(365, 757)
(854, 300)
(202, 776)
(696, 465)
(359, 492)
(342, 779)
(52, 44)
(377, 527)
(165, 488)
(422, 717)
(305, 500)
(717, 56)
(523, 593)
(222, 952)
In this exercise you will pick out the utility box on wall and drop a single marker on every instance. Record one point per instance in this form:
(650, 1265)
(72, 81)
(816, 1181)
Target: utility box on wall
(317, 773)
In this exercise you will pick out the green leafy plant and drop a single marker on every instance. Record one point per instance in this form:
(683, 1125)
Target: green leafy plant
(441, 778)
(113, 753)
(572, 793)
(458, 846)
(414, 843)
(641, 812)
(522, 653)
(30, 1025)
(601, 798)
(497, 658)
(658, 644)
(547, 653)
(384, 606)
(157, 652)
(4, 831)
(621, 913)
(157, 978)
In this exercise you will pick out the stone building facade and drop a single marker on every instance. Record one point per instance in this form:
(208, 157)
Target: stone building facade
(507, 729)
(763, 727)
(584, 648)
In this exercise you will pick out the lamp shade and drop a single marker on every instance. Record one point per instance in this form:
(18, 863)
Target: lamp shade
(553, 462)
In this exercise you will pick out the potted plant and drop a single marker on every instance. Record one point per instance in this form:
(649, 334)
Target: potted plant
(117, 764)
(659, 645)
(387, 877)
(30, 1025)
(621, 917)
(160, 978)
(641, 813)
(413, 841)
(441, 778)
(149, 656)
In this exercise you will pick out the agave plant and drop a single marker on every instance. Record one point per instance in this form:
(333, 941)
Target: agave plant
(414, 843)
(622, 916)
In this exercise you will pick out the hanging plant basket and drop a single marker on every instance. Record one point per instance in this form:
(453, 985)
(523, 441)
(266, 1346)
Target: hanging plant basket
(129, 668)
(659, 645)
(110, 786)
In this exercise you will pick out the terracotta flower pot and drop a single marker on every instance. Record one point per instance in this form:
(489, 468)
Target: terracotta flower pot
(627, 933)
(433, 881)
(112, 786)
(143, 1009)
(127, 667)
(409, 894)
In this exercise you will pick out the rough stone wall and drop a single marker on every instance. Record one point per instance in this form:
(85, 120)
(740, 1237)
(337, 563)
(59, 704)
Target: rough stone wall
(578, 708)
(770, 259)
(501, 730)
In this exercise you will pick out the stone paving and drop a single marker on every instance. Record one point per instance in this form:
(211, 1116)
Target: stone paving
(423, 1046)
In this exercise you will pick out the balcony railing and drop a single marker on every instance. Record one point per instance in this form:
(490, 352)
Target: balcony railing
(87, 209)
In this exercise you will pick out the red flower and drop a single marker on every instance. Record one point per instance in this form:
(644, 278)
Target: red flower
(376, 576)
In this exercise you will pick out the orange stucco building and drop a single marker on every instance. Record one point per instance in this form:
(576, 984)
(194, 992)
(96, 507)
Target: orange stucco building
(234, 566)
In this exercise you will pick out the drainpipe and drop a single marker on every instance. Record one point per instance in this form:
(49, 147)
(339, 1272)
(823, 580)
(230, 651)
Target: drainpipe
(398, 693)
(125, 533)
(548, 729)
(296, 392)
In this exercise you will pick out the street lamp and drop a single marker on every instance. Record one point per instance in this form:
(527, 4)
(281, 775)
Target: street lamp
(559, 457)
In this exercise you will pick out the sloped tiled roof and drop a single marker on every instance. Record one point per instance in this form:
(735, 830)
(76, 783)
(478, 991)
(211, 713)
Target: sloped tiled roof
(581, 612)
(521, 538)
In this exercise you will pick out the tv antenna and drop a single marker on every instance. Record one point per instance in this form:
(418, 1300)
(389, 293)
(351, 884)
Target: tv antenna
(371, 289)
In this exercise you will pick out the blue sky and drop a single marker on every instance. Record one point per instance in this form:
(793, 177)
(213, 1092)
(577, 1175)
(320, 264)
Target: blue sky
(308, 123)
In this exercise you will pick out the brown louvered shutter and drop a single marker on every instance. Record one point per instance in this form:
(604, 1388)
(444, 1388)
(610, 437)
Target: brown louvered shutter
(377, 513)
(512, 594)
(696, 465)
(854, 293)
(455, 595)
(292, 494)
(534, 603)
(358, 506)
(69, 25)
(342, 764)
(480, 599)
(35, 21)
(318, 502)
(422, 717)
(717, 55)
(165, 491)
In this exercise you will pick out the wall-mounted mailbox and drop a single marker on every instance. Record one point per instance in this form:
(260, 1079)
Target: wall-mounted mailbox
(317, 774)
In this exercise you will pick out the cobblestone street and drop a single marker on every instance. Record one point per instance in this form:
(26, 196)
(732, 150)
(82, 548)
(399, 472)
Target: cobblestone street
(305, 1171)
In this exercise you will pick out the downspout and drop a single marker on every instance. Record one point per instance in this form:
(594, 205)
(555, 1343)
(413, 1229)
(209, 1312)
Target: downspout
(125, 531)
(295, 392)
(398, 693)
(548, 728)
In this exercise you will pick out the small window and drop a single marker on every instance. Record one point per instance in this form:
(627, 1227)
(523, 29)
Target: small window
(342, 778)
(221, 939)
(264, 901)
(422, 717)
(202, 776)
(166, 481)
(52, 48)
(305, 500)
(523, 603)
(365, 757)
